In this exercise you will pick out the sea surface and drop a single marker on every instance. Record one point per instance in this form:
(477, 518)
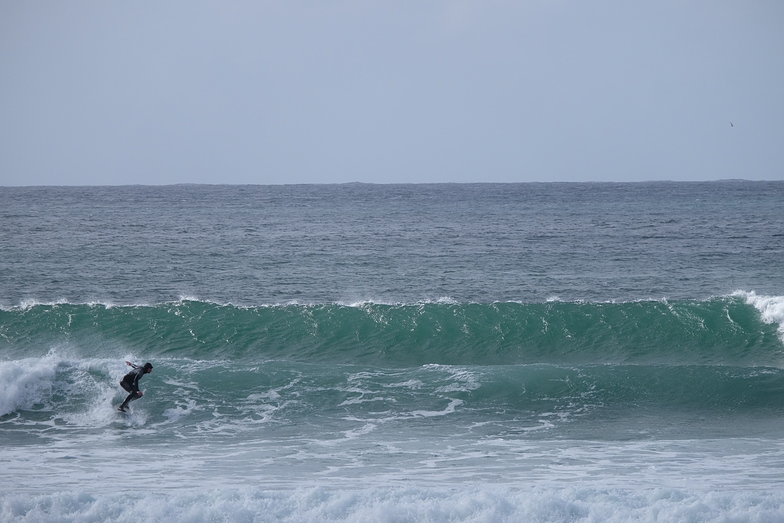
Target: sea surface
(584, 352)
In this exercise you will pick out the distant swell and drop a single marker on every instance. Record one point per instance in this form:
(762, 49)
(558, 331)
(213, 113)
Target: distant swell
(743, 329)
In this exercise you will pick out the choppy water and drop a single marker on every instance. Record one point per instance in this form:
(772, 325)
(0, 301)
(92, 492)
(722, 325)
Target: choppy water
(532, 352)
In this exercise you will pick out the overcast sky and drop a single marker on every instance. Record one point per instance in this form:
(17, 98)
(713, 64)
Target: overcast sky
(190, 91)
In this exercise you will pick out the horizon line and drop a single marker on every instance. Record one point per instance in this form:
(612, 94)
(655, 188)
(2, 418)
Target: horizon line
(208, 184)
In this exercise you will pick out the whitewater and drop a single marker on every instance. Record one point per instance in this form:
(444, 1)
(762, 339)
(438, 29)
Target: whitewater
(493, 353)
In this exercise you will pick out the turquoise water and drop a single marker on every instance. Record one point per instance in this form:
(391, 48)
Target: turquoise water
(532, 352)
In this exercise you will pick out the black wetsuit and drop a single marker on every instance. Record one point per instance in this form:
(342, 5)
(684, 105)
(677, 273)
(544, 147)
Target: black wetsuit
(131, 383)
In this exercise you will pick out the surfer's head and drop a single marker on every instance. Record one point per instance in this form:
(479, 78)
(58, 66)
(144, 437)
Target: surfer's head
(147, 367)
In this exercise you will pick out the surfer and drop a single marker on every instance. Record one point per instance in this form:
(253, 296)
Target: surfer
(130, 382)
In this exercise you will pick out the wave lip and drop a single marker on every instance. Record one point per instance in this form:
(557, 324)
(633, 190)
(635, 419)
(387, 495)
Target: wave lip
(771, 308)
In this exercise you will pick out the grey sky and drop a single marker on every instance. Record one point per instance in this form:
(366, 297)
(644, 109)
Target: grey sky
(151, 92)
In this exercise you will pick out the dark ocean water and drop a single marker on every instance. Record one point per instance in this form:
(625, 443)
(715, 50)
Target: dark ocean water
(254, 245)
(523, 352)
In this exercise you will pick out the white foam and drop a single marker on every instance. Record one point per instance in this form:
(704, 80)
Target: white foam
(362, 399)
(447, 300)
(771, 308)
(30, 303)
(269, 395)
(369, 302)
(367, 428)
(47, 382)
(366, 302)
(414, 504)
(410, 384)
(24, 383)
(449, 409)
(179, 411)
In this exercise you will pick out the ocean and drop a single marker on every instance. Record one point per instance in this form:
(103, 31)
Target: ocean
(546, 352)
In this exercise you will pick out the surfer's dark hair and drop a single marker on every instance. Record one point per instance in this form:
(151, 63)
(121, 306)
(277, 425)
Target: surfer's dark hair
(148, 366)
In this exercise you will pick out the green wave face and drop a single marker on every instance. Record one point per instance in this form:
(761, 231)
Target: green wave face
(720, 331)
(503, 368)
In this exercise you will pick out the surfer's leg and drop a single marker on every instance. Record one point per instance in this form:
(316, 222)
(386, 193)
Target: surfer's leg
(127, 401)
(134, 395)
(129, 388)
